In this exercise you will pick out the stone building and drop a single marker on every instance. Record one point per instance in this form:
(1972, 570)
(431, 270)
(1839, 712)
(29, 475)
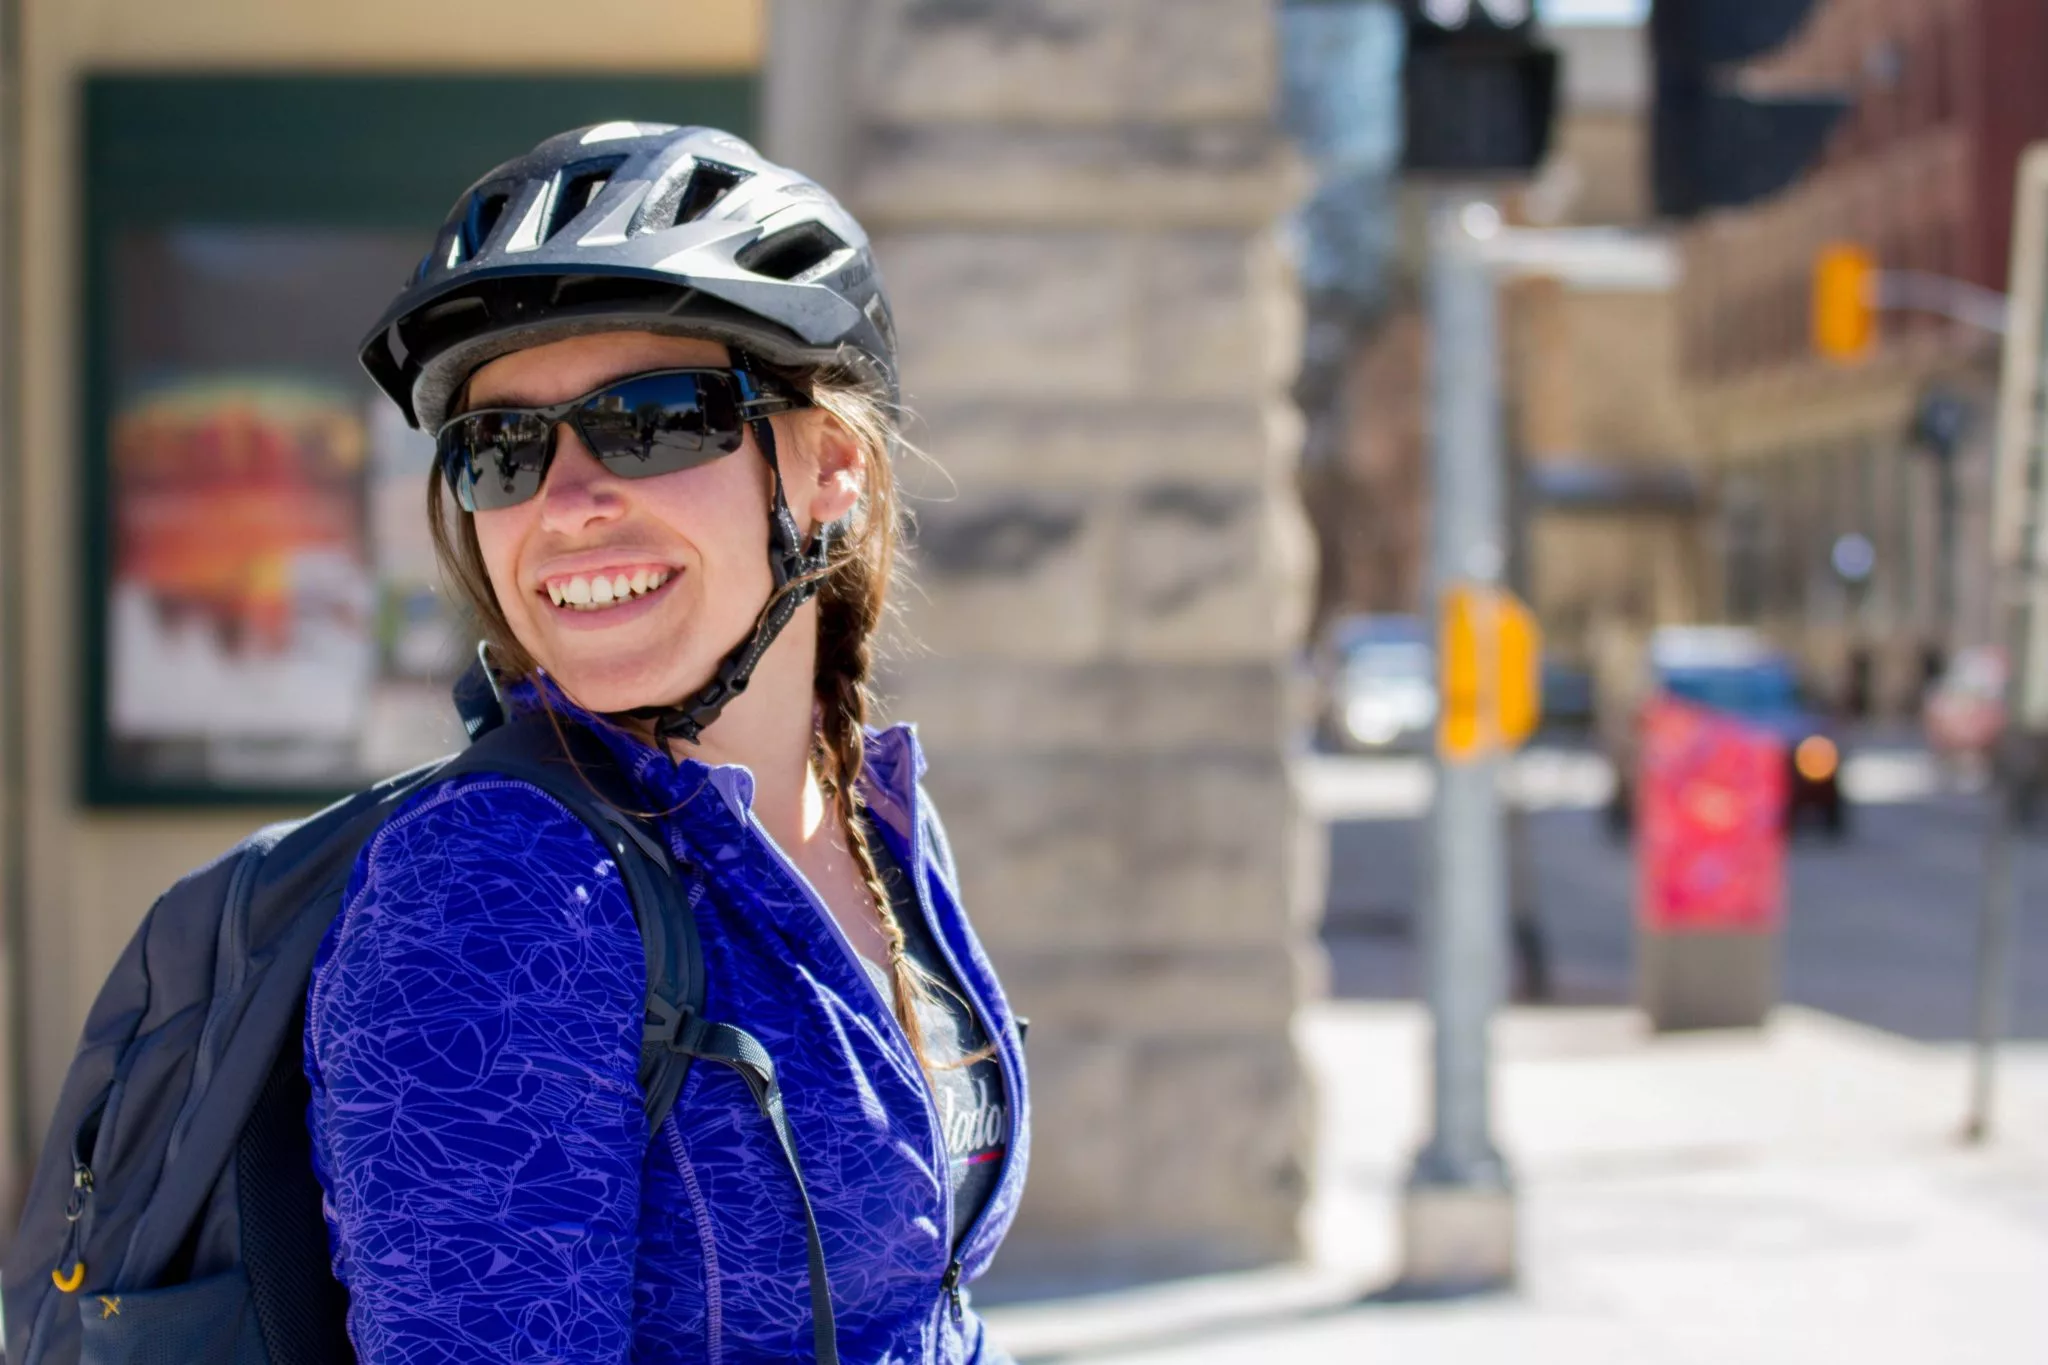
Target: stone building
(1074, 203)
(1075, 206)
(1947, 93)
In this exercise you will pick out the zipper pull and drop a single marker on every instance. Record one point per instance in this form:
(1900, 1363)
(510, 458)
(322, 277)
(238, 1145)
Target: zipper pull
(69, 1281)
(951, 1284)
(81, 1191)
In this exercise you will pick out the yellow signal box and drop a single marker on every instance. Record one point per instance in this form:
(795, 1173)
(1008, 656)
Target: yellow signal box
(1518, 653)
(1490, 673)
(1845, 303)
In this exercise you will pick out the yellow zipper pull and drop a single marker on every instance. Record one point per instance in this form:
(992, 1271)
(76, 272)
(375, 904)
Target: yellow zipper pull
(69, 1284)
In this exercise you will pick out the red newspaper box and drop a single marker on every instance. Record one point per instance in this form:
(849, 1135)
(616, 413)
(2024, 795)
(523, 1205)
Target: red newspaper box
(1710, 867)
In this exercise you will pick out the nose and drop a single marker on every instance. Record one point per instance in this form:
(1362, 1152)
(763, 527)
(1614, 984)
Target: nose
(578, 492)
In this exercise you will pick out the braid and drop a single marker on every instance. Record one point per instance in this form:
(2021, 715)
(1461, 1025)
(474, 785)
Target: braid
(844, 656)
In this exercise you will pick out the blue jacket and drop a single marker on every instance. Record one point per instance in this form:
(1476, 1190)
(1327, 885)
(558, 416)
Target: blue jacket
(472, 1040)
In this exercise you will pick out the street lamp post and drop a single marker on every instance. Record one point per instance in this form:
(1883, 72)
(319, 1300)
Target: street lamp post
(1458, 1211)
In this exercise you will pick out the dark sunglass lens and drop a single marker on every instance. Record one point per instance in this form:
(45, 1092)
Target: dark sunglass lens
(660, 423)
(495, 459)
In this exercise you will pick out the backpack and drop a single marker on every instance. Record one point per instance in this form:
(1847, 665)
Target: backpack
(174, 1215)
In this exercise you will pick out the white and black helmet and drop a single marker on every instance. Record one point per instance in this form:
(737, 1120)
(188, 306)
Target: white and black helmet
(642, 226)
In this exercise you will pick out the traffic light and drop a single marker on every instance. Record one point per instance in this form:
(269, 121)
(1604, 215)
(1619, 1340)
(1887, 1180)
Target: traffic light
(1477, 91)
(1710, 146)
(1845, 303)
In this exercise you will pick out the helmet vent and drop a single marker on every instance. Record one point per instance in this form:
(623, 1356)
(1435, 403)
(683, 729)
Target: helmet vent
(484, 212)
(685, 192)
(791, 252)
(584, 291)
(579, 191)
(707, 184)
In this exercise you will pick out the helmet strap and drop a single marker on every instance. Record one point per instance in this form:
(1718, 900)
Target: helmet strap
(789, 563)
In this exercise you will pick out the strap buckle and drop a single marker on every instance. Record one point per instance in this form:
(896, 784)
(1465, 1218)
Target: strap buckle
(669, 1024)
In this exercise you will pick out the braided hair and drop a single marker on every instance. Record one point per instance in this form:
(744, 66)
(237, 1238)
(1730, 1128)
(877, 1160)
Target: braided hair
(853, 592)
(851, 603)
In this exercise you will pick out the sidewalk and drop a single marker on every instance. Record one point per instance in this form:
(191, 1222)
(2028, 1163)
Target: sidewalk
(1712, 1199)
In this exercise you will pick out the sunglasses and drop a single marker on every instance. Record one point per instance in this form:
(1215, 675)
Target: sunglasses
(639, 427)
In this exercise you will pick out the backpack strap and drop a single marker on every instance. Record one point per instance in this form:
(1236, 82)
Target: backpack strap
(575, 768)
(688, 1035)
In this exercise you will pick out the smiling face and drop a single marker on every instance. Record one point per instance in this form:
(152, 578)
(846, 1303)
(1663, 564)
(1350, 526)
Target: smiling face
(629, 591)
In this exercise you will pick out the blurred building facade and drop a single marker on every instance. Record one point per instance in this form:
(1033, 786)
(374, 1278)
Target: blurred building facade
(1611, 500)
(1075, 206)
(1609, 505)
(1947, 93)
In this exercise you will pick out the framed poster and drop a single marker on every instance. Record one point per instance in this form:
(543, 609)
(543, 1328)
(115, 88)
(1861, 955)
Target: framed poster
(265, 617)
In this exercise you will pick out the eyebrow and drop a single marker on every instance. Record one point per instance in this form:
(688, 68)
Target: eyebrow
(465, 401)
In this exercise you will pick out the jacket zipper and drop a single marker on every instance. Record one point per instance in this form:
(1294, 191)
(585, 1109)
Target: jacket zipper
(973, 997)
(950, 1281)
(943, 1160)
(951, 1284)
(714, 1306)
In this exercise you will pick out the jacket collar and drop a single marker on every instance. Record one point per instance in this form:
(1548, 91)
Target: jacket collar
(895, 760)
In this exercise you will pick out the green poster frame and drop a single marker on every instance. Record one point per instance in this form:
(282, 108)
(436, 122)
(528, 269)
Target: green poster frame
(295, 150)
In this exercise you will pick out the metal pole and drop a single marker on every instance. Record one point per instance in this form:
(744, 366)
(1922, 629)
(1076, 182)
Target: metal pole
(1531, 949)
(1993, 929)
(2012, 768)
(1458, 1211)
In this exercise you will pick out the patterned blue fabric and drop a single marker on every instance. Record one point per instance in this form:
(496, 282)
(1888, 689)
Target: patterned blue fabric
(473, 1042)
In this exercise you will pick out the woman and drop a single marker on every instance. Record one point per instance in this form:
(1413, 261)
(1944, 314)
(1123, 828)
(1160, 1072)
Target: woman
(661, 374)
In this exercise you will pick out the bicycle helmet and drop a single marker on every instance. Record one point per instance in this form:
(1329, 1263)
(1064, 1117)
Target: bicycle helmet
(647, 227)
(641, 226)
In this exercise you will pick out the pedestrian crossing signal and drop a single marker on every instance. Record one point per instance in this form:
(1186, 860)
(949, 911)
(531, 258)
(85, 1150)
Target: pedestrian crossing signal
(1490, 673)
(1478, 92)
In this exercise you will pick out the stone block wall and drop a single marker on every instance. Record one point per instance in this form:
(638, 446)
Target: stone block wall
(1074, 204)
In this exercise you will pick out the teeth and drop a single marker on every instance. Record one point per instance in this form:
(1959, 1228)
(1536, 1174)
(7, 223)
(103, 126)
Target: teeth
(595, 594)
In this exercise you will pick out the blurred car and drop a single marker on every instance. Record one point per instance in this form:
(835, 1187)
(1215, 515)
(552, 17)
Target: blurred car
(1378, 678)
(1964, 712)
(1739, 673)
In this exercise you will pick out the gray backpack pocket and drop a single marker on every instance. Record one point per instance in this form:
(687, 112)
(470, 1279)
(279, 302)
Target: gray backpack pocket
(211, 1320)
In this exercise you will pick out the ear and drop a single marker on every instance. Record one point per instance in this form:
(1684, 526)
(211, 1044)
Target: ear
(834, 470)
